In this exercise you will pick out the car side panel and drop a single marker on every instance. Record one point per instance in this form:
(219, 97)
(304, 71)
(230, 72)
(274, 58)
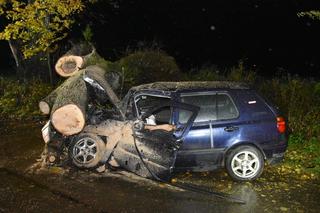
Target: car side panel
(197, 138)
(257, 124)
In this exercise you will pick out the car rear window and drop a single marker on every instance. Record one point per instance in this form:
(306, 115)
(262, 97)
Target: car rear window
(255, 105)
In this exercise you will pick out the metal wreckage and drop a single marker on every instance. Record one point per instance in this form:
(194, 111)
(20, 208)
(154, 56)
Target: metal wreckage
(127, 135)
(122, 137)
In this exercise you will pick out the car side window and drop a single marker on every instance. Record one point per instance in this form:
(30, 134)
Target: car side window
(225, 107)
(218, 106)
(207, 104)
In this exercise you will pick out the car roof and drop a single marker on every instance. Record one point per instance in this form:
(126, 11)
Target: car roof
(189, 85)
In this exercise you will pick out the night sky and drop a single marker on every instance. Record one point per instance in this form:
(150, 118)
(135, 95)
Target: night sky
(268, 35)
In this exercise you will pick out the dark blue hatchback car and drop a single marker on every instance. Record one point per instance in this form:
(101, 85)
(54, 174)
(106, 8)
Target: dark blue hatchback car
(200, 126)
(235, 127)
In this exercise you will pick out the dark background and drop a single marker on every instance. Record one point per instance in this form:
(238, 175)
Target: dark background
(267, 35)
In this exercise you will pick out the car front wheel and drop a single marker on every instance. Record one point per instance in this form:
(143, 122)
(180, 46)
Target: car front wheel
(245, 163)
(86, 150)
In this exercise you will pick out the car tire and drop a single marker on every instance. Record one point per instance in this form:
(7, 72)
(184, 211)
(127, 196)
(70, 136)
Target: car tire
(86, 150)
(244, 163)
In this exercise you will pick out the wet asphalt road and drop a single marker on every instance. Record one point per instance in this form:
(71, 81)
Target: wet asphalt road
(66, 190)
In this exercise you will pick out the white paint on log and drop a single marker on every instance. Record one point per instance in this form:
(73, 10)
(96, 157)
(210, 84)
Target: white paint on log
(68, 119)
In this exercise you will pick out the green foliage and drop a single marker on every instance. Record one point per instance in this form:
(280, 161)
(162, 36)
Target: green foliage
(212, 73)
(87, 33)
(305, 153)
(19, 100)
(240, 73)
(38, 24)
(298, 100)
(145, 66)
(206, 73)
(313, 14)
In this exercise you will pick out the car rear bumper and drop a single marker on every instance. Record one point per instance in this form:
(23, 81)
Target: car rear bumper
(276, 158)
(275, 154)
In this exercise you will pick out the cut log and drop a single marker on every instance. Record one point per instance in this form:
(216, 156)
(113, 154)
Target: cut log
(46, 104)
(79, 58)
(44, 107)
(68, 65)
(68, 114)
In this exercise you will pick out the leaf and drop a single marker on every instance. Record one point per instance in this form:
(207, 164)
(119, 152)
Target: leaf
(174, 180)
(40, 24)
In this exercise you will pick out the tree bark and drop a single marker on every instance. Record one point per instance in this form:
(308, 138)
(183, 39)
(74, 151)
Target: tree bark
(67, 104)
(49, 68)
(21, 74)
(68, 114)
(14, 52)
(45, 105)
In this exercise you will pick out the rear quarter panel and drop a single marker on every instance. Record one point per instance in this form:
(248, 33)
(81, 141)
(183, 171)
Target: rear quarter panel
(257, 123)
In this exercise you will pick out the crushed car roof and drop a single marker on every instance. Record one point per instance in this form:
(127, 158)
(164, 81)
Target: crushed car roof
(184, 85)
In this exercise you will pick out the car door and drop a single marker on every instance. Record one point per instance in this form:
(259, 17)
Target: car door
(199, 136)
(152, 153)
(226, 128)
(196, 150)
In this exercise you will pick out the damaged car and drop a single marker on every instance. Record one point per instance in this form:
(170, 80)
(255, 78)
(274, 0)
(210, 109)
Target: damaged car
(162, 127)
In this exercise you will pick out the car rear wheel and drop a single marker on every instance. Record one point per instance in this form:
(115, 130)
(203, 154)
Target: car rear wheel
(86, 150)
(245, 163)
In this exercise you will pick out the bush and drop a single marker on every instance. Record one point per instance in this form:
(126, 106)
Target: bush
(205, 73)
(20, 100)
(240, 73)
(298, 101)
(213, 73)
(145, 66)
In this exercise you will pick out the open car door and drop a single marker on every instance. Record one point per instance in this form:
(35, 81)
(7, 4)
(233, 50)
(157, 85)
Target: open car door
(152, 153)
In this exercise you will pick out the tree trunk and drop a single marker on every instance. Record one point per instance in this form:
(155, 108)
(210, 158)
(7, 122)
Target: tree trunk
(49, 68)
(79, 57)
(17, 59)
(14, 52)
(68, 114)
(67, 104)
(45, 105)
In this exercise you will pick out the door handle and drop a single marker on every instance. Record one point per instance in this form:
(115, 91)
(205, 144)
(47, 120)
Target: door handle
(231, 128)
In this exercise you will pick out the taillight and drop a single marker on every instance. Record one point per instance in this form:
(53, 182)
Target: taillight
(281, 124)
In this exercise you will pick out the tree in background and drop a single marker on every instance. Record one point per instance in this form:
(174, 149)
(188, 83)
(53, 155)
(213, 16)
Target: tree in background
(35, 26)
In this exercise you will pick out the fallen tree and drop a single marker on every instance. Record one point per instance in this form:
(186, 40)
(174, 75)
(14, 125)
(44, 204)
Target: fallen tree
(68, 114)
(45, 104)
(68, 104)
